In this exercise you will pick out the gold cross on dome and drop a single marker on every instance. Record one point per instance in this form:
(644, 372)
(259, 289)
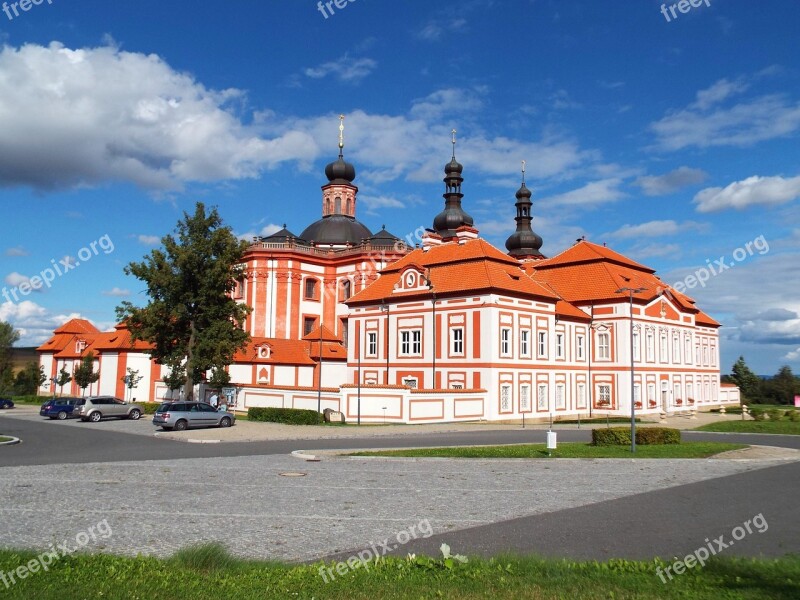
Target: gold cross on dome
(341, 131)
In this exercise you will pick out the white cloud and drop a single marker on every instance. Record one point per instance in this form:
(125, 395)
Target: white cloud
(661, 185)
(17, 279)
(653, 229)
(769, 191)
(447, 102)
(434, 30)
(33, 321)
(117, 293)
(595, 192)
(705, 123)
(89, 116)
(149, 240)
(343, 68)
(17, 251)
(265, 231)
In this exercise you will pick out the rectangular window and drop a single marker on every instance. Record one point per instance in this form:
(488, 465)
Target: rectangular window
(636, 350)
(457, 341)
(372, 344)
(308, 324)
(637, 395)
(560, 403)
(581, 396)
(580, 347)
(311, 289)
(559, 345)
(405, 343)
(663, 349)
(604, 394)
(505, 341)
(541, 397)
(604, 346)
(410, 382)
(524, 343)
(651, 347)
(416, 342)
(541, 348)
(505, 398)
(676, 349)
(525, 398)
(687, 349)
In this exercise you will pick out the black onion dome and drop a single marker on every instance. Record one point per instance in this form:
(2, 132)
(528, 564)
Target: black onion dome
(524, 241)
(340, 171)
(384, 238)
(524, 192)
(281, 236)
(453, 167)
(336, 229)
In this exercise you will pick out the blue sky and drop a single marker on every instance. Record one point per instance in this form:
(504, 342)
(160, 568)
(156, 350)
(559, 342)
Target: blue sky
(673, 141)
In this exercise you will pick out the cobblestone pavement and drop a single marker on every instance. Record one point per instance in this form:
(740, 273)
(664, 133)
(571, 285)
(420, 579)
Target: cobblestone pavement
(157, 507)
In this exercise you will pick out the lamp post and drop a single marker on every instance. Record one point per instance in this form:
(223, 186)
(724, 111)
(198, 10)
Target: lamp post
(631, 292)
(435, 341)
(358, 358)
(319, 382)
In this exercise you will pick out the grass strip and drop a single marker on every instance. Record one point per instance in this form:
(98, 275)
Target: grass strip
(567, 450)
(778, 427)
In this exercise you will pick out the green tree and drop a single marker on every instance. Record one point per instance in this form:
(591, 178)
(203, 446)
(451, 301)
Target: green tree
(63, 379)
(85, 374)
(192, 321)
(749, 383)
(219, 378)
(29, 379)
(8, 337)
(782, 388)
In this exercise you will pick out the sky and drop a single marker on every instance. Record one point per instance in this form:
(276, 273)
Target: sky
(670, 136)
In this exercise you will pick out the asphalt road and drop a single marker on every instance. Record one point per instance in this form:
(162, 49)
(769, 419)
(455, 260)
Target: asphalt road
(48, 442)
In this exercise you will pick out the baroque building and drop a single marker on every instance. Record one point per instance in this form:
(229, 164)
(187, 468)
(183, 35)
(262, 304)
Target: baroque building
(454, 329)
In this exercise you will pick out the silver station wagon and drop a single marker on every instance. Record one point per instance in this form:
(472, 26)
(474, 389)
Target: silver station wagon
(184, 415)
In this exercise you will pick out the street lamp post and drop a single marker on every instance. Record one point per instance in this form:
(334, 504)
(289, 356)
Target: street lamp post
(631, 292)
(319, 382)
(385, 308)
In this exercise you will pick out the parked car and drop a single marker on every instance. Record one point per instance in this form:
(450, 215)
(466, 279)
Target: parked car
(185, 415)
(96, 408)
(6, 403)
(61, 408)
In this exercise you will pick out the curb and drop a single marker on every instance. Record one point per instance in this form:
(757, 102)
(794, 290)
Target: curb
(11, 442)
(192, 441)
(303, 456)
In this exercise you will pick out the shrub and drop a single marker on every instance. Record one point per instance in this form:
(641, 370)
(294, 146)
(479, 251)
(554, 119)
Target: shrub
(657, 435)
(775, 414)
(646, 436)
(758, 414)
(149, 408)
(288, 416)
(794, 415)
(611, 436)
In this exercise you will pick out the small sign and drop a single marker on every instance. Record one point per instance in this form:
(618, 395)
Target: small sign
(229, 392)
(797, 401)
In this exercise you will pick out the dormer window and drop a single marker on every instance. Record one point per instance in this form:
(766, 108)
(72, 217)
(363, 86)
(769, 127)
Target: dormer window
(264, 352)
(80, 346)
(411, 279)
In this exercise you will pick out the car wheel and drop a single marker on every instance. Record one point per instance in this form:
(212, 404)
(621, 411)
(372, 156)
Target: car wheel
(225, 422)
(61, 415)
(96, 416)
(135, 414)
(181, 425)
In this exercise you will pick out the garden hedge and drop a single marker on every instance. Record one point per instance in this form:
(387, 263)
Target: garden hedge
(621, 436)
(288, 416)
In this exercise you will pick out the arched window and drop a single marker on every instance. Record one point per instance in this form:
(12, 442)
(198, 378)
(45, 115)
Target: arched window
(349, 206)
(311, 289)
(337, 205)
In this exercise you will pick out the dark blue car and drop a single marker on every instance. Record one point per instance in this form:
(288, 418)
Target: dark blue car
(6, 403)
(61, 408)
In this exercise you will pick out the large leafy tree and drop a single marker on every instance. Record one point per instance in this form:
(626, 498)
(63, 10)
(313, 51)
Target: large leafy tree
(192, 321)
(8, 337)
(783, 387)
(749, 383)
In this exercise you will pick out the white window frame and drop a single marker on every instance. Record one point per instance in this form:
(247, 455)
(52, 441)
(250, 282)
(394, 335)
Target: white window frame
(541, 344)
(505, 341)
(604, 345)
(457, 341)
(580, 347)
(524, 343)
(559, 345)
(372, 344)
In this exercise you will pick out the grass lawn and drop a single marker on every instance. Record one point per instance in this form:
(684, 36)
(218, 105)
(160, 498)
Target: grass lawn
(4, 439)
(568, 450)
(209, 573)
(782, 427)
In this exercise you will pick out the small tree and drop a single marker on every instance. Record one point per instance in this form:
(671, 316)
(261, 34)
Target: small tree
(749, 383)
(8, 337)
(30, 379)
(176, 379)
(63, 379)
(84, 375)
(132, 379)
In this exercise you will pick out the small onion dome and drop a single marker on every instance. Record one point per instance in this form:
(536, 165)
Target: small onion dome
(340, 171)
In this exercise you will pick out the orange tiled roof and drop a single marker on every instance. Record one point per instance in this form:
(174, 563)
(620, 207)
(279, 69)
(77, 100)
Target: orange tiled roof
(282, 352)
(327, 335)
(456, 268)
(584, 252)
(77, 326)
